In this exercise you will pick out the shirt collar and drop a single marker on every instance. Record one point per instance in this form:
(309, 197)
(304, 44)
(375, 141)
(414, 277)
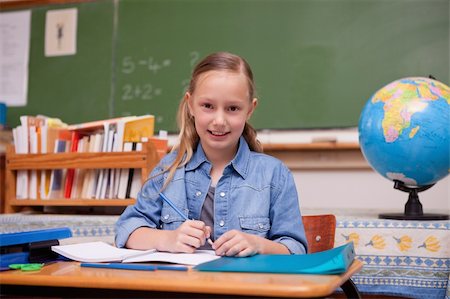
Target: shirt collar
(240, 161)
(197, 158)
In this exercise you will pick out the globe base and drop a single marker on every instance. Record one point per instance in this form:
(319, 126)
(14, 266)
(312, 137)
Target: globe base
(425, 217)
(413, 208)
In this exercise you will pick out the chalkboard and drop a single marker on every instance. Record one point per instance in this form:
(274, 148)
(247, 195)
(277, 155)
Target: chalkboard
(316, 62)
(75, 88)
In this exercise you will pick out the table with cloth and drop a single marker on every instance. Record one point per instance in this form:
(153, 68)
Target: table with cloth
(401, 258)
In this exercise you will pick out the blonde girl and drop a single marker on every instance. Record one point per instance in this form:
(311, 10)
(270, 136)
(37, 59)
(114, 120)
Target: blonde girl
(242, 199)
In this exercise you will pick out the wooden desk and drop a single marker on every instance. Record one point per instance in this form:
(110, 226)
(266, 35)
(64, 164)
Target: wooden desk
(69, 279)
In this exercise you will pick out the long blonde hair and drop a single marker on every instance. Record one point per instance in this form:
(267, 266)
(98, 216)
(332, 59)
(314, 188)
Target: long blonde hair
(188, 137)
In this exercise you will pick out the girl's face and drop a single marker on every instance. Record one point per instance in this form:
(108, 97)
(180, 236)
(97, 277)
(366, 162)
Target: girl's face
(220, 106)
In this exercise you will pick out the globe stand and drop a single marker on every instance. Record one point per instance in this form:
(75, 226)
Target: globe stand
(413, 208)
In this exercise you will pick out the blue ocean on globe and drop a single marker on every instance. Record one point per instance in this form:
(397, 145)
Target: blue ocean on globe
(404, 131)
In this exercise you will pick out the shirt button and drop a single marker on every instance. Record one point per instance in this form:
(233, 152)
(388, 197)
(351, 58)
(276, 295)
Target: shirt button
(221, 223)
(198, 193)
(222, 194)
(261, 225)
(166, 216)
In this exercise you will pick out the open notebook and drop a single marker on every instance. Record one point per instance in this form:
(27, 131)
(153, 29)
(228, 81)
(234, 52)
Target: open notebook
(103, 252)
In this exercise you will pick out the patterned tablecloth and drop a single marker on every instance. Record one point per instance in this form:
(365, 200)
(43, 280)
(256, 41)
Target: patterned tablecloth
(84, 228)
(402, 258)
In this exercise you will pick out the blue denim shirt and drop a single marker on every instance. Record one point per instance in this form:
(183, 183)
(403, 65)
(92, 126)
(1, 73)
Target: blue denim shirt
(256, 194)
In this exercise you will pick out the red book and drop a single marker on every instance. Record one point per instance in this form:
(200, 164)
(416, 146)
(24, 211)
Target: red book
(71, 172)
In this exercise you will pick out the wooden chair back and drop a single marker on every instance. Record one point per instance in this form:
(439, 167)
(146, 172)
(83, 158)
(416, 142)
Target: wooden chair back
(320, 231)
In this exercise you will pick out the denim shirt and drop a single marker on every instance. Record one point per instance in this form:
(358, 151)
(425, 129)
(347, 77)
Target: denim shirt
(256, 194)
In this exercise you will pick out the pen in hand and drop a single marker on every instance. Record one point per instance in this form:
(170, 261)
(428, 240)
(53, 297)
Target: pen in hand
(170, 203)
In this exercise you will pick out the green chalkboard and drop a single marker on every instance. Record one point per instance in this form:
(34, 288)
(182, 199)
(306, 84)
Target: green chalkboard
(316, 62)
(75, 88)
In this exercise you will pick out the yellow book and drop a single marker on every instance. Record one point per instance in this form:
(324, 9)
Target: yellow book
(135, 129)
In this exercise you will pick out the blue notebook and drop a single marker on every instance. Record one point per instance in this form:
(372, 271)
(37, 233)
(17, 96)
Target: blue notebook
(333, 261)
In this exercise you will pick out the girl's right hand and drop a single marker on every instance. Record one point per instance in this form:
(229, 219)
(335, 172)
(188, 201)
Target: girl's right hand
(188, 236)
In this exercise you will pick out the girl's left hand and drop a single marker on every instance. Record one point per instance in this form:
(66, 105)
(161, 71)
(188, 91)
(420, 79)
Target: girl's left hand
(237, 243)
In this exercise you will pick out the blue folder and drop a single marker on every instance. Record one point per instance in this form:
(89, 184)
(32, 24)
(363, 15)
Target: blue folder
(333, 261)
(8, 239)
(30, 246)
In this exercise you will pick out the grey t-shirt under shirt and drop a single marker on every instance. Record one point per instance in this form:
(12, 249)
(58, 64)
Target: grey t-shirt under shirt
(207, 215)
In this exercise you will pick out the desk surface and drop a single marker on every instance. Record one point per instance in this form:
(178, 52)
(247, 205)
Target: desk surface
(70, 274)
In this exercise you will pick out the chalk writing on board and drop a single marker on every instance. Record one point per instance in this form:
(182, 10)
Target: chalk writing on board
(133, 66)
(195, 55)
(130, 64)
(139, 92)
(194, 58)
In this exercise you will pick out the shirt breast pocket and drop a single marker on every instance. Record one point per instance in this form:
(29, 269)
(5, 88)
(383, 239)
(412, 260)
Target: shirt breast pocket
(255, 225)
(170, 220)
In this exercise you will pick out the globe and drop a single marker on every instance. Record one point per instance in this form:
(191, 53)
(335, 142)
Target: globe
(404, 132)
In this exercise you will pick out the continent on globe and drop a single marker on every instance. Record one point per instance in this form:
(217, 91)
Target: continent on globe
(402, 99)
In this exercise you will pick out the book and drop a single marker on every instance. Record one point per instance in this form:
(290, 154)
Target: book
(92, 126)
(58, 175)
(103, 252)
(333, 261)
(131, 129)
(131, 173)
(26, 134)
(124, 175)
(75, 138)
(49, 133)
(97, 143)
(103, 178)
(34, 149)
(78, 179)
(20, 136)
(139, 127)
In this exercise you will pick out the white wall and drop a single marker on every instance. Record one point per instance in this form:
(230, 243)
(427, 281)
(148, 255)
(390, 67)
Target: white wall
(363, 190)
(348, 189)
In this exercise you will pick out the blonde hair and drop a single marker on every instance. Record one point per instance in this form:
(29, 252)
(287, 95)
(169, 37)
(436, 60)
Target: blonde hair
(188, 137)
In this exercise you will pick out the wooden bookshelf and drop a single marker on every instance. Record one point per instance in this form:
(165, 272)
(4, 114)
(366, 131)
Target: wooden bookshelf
(145, 160)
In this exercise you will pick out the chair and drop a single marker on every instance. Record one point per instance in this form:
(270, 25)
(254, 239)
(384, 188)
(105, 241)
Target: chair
(320, 231)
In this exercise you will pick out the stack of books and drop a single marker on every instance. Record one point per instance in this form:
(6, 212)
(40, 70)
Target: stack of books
(39, 134)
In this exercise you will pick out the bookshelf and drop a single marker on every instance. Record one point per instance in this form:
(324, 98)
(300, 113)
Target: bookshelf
(144, 160)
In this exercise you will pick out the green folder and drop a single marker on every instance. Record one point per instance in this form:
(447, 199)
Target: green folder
(333, 261)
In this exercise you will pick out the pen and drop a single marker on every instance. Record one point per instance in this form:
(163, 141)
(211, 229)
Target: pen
(170, 203)
(134, 266)
(119, 266)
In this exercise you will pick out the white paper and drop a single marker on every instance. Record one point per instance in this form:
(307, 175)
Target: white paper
(61, 32)
(96, 252)
(14, 57)
(103, 252)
